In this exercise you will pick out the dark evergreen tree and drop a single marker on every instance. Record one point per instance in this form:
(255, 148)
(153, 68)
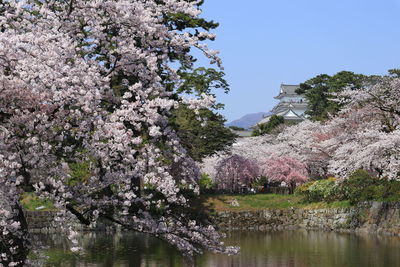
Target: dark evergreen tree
(204, 137)
(268, 127)
(320, 92)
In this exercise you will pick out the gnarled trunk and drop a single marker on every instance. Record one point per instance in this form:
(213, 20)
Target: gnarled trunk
(14, 245)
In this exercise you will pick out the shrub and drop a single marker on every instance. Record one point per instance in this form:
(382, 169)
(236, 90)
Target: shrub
(80, 172)
(206, 183)
(320, 190)
(391, 190)
(303, 189)
(261, 181)
(360, 186)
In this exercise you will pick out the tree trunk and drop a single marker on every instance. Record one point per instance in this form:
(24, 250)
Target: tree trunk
(14, 245)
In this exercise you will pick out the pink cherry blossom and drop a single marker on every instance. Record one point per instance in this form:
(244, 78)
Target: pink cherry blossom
(235, 173)
(285, 169)
(60, 105)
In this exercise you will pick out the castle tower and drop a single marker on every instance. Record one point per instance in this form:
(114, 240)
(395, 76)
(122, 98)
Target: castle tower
(291, 105)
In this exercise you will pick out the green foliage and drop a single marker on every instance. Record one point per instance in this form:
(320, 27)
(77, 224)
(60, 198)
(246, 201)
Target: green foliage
(80, 172)
(360, 186)
(260, 181)
(201, 140)
(390, 191)
(206, 183)
(181, 21)
(320, 89)
(202, 80)
(303, 188)
(199, 80)
(320, 190)
(268, 127)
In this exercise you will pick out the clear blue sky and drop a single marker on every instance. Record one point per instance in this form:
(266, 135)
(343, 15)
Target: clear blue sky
(264, 43)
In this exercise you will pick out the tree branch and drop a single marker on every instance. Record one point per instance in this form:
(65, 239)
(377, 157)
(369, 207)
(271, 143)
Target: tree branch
(78, 215)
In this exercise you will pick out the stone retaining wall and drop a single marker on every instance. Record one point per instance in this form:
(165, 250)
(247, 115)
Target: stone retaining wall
(378, 217)
(40, 221)
(43, 222)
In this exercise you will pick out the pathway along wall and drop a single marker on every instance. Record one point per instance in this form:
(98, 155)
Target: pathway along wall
(376, 217)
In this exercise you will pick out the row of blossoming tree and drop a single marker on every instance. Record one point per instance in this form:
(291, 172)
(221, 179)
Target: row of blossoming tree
(365, 134)
(92, 82)
(237, 173)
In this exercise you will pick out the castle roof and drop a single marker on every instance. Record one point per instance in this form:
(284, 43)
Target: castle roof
(291, 115)
(289, 105)
(288, 114)
(287, 90)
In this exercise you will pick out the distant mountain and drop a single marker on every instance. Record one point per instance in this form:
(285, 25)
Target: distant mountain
(248, 120)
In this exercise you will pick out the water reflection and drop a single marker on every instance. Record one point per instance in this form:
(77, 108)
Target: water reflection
(290, 248)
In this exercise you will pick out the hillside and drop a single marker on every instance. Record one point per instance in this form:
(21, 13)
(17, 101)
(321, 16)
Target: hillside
(248, 120)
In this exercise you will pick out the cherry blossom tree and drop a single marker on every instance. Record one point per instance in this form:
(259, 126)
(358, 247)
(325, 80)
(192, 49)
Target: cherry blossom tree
(300, 142)
(297, 141)
(86, 82)
(363, 135)
(285, 169)
(382, 95)
(367, 131)
(255, 148)
(235, 173)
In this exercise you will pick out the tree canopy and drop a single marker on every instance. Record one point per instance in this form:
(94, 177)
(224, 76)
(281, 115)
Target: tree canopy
(93, 83)
(202, 137)
(320, 92)
(268, 127)
(235, 173)
(364, 134)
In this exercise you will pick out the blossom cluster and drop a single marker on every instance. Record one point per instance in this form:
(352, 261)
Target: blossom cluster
(235, 173)
(83, 82)
(364, 135)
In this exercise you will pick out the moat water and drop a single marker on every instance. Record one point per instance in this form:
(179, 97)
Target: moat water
(289, 248)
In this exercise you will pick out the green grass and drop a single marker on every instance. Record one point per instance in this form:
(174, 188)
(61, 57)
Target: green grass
(266, 201)
(31, 202)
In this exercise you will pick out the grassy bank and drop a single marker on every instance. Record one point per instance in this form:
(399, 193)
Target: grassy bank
(220, 202)
(265, 201)
(31, 202)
